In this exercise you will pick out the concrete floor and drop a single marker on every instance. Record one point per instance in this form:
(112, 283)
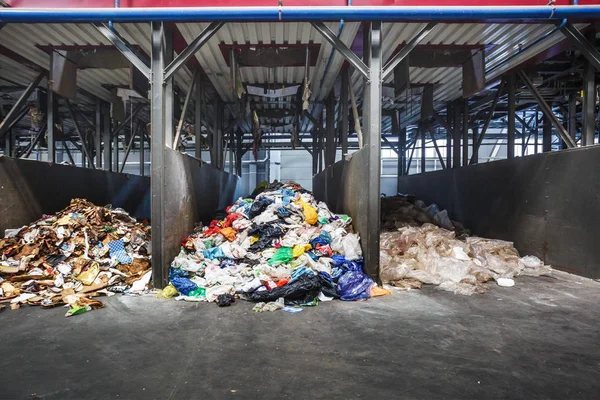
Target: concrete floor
(538, 340)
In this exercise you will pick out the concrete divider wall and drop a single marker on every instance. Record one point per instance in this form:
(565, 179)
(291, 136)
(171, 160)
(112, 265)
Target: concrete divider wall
(29, 189)
(194, 192)
(343, 187)
(547, 204)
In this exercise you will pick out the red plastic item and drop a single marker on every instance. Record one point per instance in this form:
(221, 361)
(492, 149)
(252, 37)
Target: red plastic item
(283, 282)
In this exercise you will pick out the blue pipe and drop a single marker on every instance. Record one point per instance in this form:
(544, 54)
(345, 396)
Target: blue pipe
(530, 45)
(117, 5)
(253, 14)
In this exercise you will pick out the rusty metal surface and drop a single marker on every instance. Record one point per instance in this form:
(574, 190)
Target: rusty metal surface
(547, 204)
(343, 187)
(194, 192)
(29, 189)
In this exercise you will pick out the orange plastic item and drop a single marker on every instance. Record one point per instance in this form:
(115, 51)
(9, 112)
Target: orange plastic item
(379, 291)
(229, 233)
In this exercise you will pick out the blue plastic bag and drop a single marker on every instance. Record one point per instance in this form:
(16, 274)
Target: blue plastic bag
(214, 252)
(325, 236)
(354, 285)
(347, 265)
(183, 285)
(176, 272)
(298, 272)
(318, 240)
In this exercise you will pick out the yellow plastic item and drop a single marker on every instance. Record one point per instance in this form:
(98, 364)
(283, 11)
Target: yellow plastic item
(87, 277)
(168, 292)
(253, 240)
(379, 291)
(229, 233)
(310, 214)
(299, 249)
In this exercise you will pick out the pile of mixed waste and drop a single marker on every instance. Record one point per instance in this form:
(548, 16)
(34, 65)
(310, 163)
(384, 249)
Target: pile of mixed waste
(420, 244)
(281, 248)
(74, 255)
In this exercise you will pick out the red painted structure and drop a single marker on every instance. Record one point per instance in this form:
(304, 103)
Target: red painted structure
(264, 3)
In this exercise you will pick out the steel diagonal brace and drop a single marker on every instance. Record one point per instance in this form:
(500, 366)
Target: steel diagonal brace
(337, 44)
(121, 44)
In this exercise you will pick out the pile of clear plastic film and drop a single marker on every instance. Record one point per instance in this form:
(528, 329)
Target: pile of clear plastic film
(281, 248)
(421, 245)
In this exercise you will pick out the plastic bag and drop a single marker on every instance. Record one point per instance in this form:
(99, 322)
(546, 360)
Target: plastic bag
(299, 249)
(183, 285)
(258, 207)
(303, 290)
(351, 246)
(282, 256)
(167, 292)
(310, 214)
(229, 233)
(212, 253)
(354, 285)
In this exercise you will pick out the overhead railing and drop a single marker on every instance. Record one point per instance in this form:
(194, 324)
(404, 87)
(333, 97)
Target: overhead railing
(283, 13)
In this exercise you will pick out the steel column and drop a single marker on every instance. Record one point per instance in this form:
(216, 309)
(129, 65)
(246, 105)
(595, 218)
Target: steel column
(8, 143)
(423, 149)
(487, 122)
(372, 123)
(588, 130)
(107, 154)
(475, 155)
(465, 133)
(169, 95)
(456, 135)
(572, 115)
(546, 135)
(115, 153)
(449, 131)
(396, 131)
(510, 146)
(98, 134)
(330, 145)
(343, 109)
(157, 122)
(198, 117)
(143, 150)
(50, 125)
(81, 136)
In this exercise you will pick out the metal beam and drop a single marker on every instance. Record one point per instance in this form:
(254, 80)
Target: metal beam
(401, 55)
(186, 104)
(127, 120)
(130, 146)
(437, 150)
(546, 135)
(20, 103)
(572, 115)
(198, 117)
(98, 134)
(192, 48)
(337, 44)
(343, 110)
(372, 124)
(456, 133)
(547, 110)
(465, 134)
(588, 50)
(79, 134)
(588, 110)
(510, 146)
(106, 151)
(30, 148)
(330, 144)
(120, 43)
(487, 122)
(160, 264)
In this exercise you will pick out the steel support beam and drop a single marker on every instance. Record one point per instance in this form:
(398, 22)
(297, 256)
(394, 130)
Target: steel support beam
(572, 115)
(422, 131)
(408, 47)
(465, 134)
(512, 83)
(588, 111)
(337, 44)
(192, 48)
(20, 103)
(98, 134)
(168, 83)
(129, 146)
(330, 145)
(437, 150)
(546, 135)
(143, 150)
(127, 120)
(456, 135)
(84, 148)
(475, 155)
(106, 139)
(121, 44)
(588, 50)
(160, 265)
(487, 123)
(547, 110)
(50, 125)
(401, 143)
(30, 148)
(372, 124)
(343, 109)
(198, 117)
(186, 105)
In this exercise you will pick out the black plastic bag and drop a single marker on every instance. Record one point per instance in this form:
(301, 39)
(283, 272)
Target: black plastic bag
(258, 207)
(303, 290)
(266, 234)
(225, 300)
